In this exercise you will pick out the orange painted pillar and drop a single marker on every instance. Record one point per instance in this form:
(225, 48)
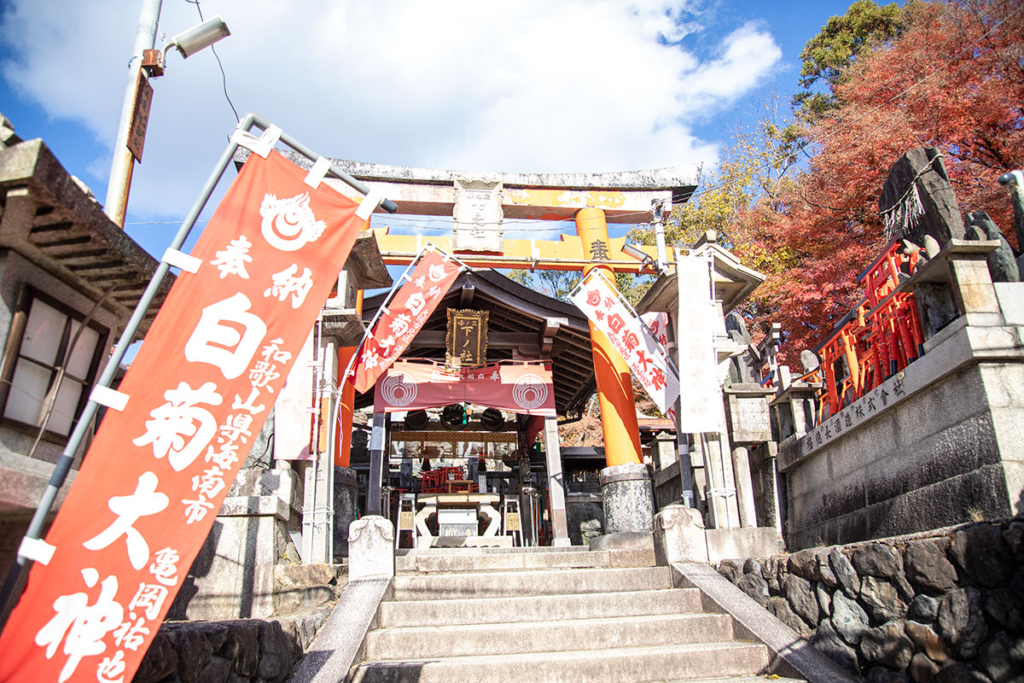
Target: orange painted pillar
(343, 437)
(614, 388)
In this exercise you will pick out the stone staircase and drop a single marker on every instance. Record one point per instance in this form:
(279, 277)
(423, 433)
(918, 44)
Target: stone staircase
(548, 614)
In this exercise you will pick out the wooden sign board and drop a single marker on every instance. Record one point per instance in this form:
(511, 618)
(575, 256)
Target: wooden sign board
(512, 521)
(466, 342)
(140, 116)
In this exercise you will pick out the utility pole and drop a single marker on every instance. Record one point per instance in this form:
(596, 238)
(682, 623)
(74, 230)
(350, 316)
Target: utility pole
(123, 164)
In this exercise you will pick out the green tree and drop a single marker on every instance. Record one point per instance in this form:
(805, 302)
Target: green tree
(828, 56)
(755, 173)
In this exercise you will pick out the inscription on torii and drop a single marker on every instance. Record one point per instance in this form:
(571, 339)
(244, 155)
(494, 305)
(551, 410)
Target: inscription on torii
(483, 203)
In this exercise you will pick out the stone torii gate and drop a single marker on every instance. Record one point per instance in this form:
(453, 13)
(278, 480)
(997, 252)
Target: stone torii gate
(479, 203)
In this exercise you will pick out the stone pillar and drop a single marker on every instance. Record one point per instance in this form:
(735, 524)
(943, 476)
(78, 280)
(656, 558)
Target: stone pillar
(973, 291)
(371, 549)
(373, 486)
(744, 489)
(345, 491)
(721, 495)
(556, 489)
(679, 536)
(665, 450)
(614, 388)
(628, 499)
(232, 577)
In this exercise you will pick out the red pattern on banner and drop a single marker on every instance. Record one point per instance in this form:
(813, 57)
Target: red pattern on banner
(201, 387)
(519, 388)
(405, 315)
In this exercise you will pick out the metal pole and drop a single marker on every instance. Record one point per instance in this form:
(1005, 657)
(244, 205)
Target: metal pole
(63, 467)
(121, 168)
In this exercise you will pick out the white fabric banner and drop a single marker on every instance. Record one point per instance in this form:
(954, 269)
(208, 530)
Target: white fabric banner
(645, 356)
(700, 399)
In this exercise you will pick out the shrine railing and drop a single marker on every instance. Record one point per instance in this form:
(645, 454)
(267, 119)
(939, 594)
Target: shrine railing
(879, 338)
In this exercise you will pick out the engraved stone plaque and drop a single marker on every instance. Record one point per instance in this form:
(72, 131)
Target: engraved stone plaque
(478, 216)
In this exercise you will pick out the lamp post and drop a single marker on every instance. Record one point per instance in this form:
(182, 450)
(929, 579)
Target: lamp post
(147, 63)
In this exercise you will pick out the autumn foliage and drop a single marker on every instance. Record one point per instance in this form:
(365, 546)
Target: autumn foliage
(951, 77)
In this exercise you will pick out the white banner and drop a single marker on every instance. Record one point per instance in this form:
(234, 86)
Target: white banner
(647, 358)
(700, 404)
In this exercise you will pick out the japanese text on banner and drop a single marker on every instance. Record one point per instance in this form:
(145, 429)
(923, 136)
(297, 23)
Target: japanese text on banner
(644, 355)
(198, 392)
(404, 318)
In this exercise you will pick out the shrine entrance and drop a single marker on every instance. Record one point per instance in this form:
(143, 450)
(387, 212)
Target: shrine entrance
(458, 420)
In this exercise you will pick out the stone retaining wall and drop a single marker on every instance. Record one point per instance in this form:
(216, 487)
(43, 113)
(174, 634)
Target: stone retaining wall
(945, 606)
(239, 651)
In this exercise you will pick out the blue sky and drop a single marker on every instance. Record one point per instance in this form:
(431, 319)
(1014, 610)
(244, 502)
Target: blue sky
(525, 86)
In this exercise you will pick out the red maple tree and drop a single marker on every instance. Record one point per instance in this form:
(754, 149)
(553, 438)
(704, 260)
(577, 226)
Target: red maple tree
(953, 79)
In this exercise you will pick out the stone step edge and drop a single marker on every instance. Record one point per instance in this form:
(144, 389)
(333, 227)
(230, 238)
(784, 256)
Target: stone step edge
(610, 595)
(617, 652)
(411, 631)
(468, 552)
(763, 678)
(533, 572)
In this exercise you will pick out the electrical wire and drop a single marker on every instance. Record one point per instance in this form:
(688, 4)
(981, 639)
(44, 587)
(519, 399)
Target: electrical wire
(223, 76)
(840, 125)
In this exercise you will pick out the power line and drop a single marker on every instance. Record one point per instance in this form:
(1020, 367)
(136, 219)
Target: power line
(223, 76)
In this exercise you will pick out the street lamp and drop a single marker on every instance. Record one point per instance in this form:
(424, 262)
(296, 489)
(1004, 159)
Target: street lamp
(147, 63)
(199, 37)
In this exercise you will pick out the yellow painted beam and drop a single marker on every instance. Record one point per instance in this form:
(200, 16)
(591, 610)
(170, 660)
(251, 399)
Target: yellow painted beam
(565, 254)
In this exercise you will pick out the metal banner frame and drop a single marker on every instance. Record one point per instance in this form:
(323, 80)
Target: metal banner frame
(63, 466)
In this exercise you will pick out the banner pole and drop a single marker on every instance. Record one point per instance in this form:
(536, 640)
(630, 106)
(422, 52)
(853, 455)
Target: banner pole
(63, 466)
(332, 428)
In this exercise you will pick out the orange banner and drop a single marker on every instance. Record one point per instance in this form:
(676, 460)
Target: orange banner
(198, 392)
(518, 388)
(404, 316)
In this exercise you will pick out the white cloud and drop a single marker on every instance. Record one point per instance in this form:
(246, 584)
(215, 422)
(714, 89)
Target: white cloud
(514, 86)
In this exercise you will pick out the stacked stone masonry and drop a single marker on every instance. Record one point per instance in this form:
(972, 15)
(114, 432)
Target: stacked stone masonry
(239, 651)
(941, 607)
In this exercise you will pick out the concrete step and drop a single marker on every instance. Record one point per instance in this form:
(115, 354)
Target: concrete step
(560, 559)
(617, 665)
(763, 678)
(514, 584)
(539, 608)
(546, 636)
(533, 550)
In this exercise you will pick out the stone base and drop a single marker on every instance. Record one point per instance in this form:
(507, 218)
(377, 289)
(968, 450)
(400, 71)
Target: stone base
(679, 536)
(733, 544)
(371, 549)
(624, 540)
(628, 499)
(471, 542)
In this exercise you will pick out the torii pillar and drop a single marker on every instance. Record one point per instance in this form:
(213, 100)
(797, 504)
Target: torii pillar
(625, 482)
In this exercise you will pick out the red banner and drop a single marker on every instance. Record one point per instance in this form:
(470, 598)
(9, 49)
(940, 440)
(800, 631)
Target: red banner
(198, 392)
(519, 388)
(404, 316)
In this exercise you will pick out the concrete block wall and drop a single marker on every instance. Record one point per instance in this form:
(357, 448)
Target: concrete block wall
(947, 605)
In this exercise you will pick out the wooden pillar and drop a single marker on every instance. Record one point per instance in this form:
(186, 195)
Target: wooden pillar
(614, 388)
(343, 440)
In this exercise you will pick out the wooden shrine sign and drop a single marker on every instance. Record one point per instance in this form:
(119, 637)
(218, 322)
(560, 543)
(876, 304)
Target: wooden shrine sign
(466, 341)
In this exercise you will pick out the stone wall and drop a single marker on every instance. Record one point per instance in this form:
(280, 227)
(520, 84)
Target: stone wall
(938, 607)
(239, 651)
